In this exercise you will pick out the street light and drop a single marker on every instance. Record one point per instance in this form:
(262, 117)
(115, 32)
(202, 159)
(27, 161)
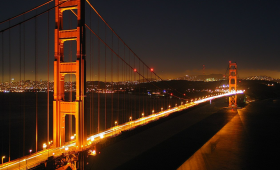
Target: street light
(142, 114)
(162, 109)
(130, 118)
(30, 151)
(3, 158)
(44, 146)
(116, 123)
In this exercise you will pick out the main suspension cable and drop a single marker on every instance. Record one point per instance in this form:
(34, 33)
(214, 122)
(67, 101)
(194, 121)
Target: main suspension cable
(26, 12)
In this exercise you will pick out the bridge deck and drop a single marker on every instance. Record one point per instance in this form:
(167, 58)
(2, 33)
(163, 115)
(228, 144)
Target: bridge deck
(35, 159)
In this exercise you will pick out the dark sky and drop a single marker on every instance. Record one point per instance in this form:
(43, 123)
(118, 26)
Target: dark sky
(177, 37)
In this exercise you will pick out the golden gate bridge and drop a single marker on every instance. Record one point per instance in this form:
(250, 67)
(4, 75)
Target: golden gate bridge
(122, 91)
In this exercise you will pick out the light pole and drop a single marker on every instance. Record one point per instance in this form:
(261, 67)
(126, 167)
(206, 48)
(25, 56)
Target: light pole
(3, 158)
(116, 123)
(130, 119)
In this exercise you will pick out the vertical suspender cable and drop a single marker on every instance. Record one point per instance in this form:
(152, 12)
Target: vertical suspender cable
(2, 134)
(90, 106)
(23, 143)
(118, 81)
(124, 81)
(20, 83)
(134, 115)
(98, 78)
(139, 85)
(92, 94)
(36, 84)
(105, 80)
(10, 99)
(144, 93)
(48, 85)
(130, 86)
(112, 86)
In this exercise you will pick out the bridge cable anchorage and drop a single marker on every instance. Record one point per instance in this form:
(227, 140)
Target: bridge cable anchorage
(126, 44)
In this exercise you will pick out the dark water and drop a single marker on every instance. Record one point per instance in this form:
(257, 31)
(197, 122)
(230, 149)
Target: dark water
(250, 140)
(18, 115)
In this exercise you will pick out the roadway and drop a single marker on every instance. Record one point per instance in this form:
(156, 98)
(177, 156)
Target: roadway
(35, 159)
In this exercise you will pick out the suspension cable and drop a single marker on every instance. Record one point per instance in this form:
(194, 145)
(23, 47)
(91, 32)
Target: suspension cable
(128, 46)
(121, 57)
(3, 30)
(26, 12)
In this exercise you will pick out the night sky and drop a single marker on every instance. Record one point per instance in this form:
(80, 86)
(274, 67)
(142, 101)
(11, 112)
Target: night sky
(177, 37)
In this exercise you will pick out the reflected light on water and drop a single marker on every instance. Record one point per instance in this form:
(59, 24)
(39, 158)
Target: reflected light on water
(223, 151)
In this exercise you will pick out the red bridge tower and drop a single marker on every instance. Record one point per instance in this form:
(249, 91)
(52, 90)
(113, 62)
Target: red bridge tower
(232, 83)
(61, 107)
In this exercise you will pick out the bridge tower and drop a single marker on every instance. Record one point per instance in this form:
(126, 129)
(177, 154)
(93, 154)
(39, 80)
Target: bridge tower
(61, 107)
(232, 83)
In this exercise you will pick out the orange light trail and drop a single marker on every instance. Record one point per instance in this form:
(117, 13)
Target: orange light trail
(41, 156)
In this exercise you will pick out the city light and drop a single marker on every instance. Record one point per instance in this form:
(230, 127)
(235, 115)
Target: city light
(30, 151)
(44, 146)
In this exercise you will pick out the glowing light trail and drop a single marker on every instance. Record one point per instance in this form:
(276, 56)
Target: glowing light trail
(35, 159)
